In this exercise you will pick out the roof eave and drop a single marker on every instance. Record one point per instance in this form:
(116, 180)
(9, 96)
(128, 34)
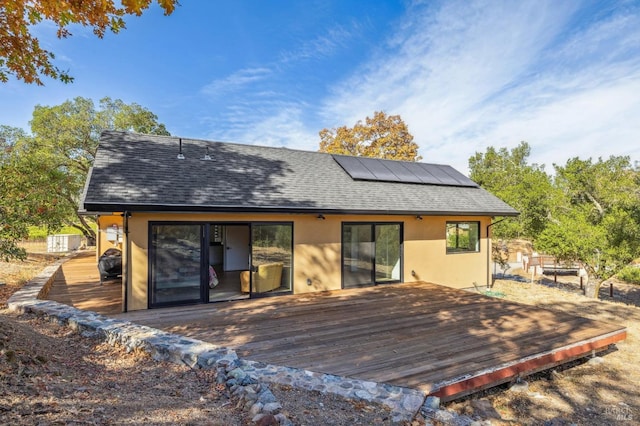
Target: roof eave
(94, 208)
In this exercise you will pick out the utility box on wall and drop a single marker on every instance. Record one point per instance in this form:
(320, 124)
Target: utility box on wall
(63, 243)
(114, 234)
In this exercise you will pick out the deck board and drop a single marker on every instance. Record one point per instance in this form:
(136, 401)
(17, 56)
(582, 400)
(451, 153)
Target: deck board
(417, 335)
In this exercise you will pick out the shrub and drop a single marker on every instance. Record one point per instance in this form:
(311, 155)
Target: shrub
(630, 274)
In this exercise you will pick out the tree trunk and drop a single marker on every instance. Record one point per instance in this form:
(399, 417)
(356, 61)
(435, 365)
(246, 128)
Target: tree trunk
(592, 287)
(88, 233)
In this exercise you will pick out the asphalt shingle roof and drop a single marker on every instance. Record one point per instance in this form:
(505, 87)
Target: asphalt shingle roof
(138, 172)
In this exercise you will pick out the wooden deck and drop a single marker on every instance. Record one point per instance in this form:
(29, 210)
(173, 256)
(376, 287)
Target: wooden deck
(443, 341)
(78, 284)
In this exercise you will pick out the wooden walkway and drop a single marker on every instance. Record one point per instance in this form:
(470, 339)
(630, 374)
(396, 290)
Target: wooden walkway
(443, 341)
(78, 285)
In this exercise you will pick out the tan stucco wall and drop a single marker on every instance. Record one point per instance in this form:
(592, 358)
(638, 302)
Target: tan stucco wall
(105, 222)
(317, 254)
(425, 253)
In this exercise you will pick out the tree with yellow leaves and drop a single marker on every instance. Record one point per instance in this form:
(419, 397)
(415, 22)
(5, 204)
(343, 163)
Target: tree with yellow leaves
(20, 52)
(383, 136)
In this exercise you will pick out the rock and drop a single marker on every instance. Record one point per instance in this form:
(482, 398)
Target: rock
(255, 409)
(238, 374)
(272, 407)
(266, 396)
(519, 386)
(432, 403)
(444, 417)
(596, 360)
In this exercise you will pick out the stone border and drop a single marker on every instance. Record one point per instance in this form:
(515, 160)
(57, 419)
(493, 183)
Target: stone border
(242, 377)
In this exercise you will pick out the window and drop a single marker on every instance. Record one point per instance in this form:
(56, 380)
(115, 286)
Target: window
(463, 237)
(272, 257)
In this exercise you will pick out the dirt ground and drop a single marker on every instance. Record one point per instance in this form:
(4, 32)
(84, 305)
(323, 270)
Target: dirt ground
(602, 391)
(50, 375)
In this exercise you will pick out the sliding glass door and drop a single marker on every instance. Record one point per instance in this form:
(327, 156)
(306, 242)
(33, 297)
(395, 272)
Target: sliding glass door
(202, 262)
(371, 253)
(176, 264)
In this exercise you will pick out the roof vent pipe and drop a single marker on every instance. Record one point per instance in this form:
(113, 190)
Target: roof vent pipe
(180, 154)
(207, 157)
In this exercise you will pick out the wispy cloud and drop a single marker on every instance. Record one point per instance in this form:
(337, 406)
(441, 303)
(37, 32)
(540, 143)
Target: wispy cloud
(465, 76)
(563, 76)
(322, 46)
(238, 80)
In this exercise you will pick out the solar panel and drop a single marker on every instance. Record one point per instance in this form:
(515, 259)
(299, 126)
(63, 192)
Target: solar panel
(403, 173)
(376, 169)
(354, 168)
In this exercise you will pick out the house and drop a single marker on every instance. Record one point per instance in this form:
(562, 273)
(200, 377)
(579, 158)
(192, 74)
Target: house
(200, 221)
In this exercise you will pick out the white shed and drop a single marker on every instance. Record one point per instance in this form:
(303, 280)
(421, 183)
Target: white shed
(63, 243)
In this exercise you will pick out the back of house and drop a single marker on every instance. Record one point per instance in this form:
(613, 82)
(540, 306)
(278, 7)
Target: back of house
(200, 221)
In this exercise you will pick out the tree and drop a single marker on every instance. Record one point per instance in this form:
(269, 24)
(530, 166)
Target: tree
(526, 187)
(43, 174)
(20, 52)
(599, 223)
(382, 136)
(26, 184)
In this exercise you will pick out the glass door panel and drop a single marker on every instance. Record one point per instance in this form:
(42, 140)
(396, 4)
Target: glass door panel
(176, 264)
(387, 243)
(357, 255)
(271, 258)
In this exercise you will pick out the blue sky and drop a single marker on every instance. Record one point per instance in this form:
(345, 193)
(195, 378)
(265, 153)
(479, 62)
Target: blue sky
(563, 75)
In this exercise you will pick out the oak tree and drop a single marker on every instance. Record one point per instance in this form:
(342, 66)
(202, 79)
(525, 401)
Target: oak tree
(598, 225)
(382, 136)
(42, 174)
(27, 183)
(526, 187)
(21, 54)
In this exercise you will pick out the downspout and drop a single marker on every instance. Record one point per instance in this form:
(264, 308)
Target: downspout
(125, 271)
(489, 252)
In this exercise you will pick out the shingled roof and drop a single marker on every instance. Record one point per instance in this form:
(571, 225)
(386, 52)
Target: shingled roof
(135, 172)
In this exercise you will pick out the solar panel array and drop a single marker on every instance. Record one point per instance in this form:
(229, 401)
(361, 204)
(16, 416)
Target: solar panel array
(375, 169)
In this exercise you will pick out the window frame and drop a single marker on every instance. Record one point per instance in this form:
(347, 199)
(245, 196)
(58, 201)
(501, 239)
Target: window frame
(457, 249)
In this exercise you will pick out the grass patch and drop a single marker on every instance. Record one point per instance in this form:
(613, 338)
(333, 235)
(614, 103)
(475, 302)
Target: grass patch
(630, 274)
(38, 232)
